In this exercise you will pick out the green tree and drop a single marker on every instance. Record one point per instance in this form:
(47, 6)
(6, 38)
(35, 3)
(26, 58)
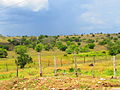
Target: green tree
(39, 48)
(23, 59)
(114, 48)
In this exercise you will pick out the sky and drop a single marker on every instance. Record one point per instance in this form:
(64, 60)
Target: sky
(58, 17)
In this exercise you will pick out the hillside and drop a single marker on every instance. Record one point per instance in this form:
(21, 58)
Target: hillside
(92, 58)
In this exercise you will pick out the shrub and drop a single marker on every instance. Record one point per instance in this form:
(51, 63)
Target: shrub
(84, 49)
(104, 42)
(3, 53)
(90, 41)
(69, 51)
(4, 47)
(91, 45)
(71, 70)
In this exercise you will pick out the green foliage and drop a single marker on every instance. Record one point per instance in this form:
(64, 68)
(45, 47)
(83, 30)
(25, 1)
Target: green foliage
(23, 59)
(119, 36)
(4, 47)
(114, 48)
(68, 43)
(84, 49)
(20, 49)
(79, 43)
(91, 45)
(108, 72)
(14, 41)
(91, 54)
(104, 42)
(71, 70)
(39, 47)
(3, 53)
(72, 48)
(69, 51)
(48, 47)
(61, 46)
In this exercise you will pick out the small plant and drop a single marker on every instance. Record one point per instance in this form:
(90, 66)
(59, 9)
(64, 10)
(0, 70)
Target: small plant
(82, 87)
(59, 70)
(65, 54)
(71, 70)
(79, 70)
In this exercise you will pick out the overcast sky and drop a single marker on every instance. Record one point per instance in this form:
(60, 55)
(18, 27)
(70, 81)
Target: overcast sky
(53, 17)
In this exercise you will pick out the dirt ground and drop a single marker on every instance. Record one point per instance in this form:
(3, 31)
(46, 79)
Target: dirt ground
(60, 83)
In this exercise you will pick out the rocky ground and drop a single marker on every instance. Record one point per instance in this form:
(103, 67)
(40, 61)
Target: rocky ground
(61, 83)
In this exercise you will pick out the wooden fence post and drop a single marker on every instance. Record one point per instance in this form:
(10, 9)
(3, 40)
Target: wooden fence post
(84, 59)
(93, 70)
(6, 67)
(75, 61)
(61, 62)
(17, 68)
(40, 64)
(94, 59)
(114, 65)
(55, 70)
(48, 62)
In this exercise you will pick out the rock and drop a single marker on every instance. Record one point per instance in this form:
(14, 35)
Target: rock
(102, 79)
(25, 89)
(99, 82)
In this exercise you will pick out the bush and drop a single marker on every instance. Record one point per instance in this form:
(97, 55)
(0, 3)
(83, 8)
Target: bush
(69, 51)
(91, 45)
(48, 47)
(3, 53)
(84, 49)
(4, 47)
(71, 70)
(104, 42)
(79, 43)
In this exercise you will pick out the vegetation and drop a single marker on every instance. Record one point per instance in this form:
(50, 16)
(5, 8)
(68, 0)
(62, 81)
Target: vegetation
(3, 53)
(35, 54)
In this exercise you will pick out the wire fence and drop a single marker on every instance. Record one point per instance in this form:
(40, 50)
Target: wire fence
(60, 62)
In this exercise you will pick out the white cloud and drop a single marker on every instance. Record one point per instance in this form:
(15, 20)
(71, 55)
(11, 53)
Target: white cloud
(101, 14)
(34, 5)
(92, 18)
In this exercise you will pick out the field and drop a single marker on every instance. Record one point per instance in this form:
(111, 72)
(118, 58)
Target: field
(99, 76)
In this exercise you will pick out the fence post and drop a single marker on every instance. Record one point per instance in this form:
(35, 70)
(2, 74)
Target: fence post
(84, 59)
(48, 62)
(61, 62)
(6, 67)
(114, 65)
(94, 59)
(55, 70)
(93, 70)
(17, 68)
(40, 64)
(75, 61)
